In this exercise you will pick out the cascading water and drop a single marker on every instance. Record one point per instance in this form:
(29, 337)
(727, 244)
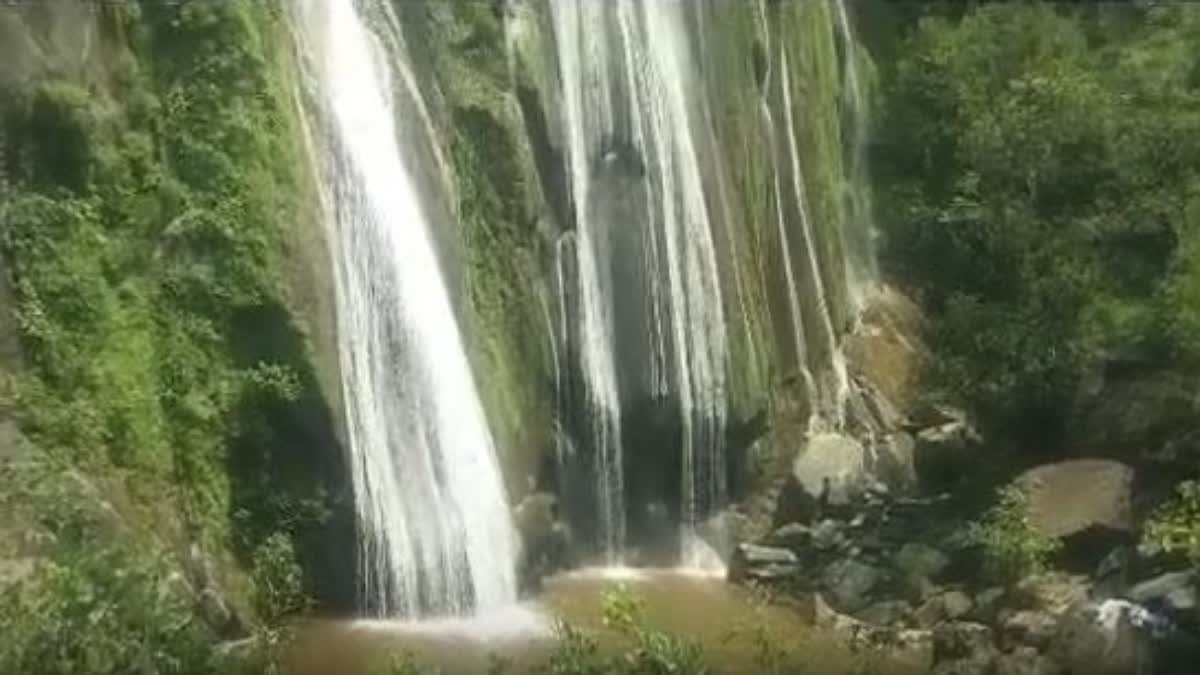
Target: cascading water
(638, 195)
(435, 531)
(860, 211)
(820, 361)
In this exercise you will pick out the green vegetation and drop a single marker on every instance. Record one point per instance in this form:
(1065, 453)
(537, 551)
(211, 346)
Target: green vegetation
(149, 204)
(1012, 547)
(1040, 192)
(1175, 527)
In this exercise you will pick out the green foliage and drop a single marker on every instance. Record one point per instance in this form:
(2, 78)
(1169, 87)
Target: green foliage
(278, 582)
(142, 233)
(1174, 528)
(654, 652)
(1039, 177)
(1012, 547)
(101, 610)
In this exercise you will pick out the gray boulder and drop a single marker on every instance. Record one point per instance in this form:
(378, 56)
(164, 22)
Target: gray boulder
(948, 606)
(751, 561)
(1030, 628)
(887, 613)
(1173, 594)
(963, 649)
(831, 468)
(920, 560)
(850, 583)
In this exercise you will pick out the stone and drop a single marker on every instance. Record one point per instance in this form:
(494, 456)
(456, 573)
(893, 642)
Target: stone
(1100, 639)
(943, 453)
(827, 535)
(831, 468)
(791, 536)
(545, 539)
(895, 461)
(948, 606)
(850, 583)
(988, 603)
(1025, 661)
(1070, 497)
(1029, 627)
(1054, 593)
(960, 640)
(762, 562)
(920, 560)
(887, 613)
(1173, 594)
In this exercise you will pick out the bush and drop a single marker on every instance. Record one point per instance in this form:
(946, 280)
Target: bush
(278, 579)
(103, 609)
(1012, 547)
(1174, 528)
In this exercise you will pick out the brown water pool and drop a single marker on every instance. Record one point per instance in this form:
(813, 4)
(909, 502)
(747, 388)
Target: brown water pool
(729, 622)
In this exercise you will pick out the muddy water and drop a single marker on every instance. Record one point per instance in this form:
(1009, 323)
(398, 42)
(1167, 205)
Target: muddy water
(731, 625)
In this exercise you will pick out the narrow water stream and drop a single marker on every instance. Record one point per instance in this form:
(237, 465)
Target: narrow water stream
(727, 620)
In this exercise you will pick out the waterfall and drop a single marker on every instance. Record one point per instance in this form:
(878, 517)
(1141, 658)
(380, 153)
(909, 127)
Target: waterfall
(628, 89)
(434, 526)
(860, 211)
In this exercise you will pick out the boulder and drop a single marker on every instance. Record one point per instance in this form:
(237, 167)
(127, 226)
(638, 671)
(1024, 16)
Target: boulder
(545, 540)
(887, 613)
(791, 536)
(988, 604)
(948, 606)
(946, 450)
(1053, 593)
(895, 461)
(751, 561)
(831, 468)
(963, 649)
(850, 583)
(1173, 594)
(1074, 496)
(920, 560)
(1029, 627)
(1025, 661)
(1101, 639)
(827, 535)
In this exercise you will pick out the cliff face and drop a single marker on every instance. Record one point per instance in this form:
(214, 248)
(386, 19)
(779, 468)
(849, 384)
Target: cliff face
(172, 292)
(167, 286)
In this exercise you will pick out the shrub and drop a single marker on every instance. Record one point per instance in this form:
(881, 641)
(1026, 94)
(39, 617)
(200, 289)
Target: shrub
(1012, 547)
(278, 579)
(1174, 527)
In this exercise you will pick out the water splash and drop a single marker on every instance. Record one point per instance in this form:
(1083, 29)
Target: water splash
(435, 531)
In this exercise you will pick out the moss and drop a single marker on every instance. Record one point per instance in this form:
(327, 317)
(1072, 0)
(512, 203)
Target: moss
(154, 197)
(499, 202)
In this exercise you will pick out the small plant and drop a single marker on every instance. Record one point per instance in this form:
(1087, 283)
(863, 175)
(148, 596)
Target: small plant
(1175, 526)
(575, 653)
(278, 581)
(655, 652)
(1012, 547)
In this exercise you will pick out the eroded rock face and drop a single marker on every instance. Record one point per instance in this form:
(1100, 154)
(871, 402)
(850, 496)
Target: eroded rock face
(1067, 498)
